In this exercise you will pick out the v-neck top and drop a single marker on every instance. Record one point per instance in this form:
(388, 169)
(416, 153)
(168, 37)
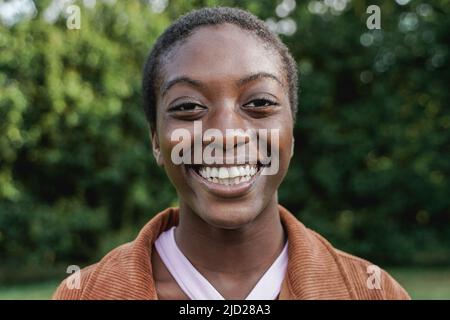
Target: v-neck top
(197, 287)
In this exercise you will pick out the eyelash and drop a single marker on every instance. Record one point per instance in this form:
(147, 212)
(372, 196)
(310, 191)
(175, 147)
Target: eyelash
(193, 105)
(184, 105)
(265, 100)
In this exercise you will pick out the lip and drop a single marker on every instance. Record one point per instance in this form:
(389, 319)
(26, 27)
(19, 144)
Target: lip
(221, 190)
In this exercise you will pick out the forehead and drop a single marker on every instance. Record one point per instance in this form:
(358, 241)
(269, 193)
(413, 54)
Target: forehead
(221, 52)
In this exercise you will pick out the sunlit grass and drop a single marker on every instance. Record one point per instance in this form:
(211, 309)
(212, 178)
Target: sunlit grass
(424, 283)
(35, 291)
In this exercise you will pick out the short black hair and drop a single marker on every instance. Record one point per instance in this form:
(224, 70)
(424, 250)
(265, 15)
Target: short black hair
(186, 24)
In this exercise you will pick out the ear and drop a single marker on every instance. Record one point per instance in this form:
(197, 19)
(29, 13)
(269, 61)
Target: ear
(292, 147)
(156, 148)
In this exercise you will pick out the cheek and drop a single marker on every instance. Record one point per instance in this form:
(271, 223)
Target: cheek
(167, 131)
(284, 149)
(284, 126)
(173, 171)
(166, 147)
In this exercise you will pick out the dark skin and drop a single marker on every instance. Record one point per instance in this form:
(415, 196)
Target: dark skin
(230, 240)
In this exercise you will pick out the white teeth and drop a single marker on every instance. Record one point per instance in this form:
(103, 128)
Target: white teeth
(233, 172)
(228, 175)
(223, 173)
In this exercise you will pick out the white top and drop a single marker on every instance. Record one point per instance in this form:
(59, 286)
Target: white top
(197, 287)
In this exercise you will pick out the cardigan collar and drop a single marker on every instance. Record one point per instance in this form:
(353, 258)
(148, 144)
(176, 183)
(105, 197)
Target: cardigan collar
(313, 271)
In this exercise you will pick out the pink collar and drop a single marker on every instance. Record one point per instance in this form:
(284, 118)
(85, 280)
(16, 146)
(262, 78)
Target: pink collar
(197, 287)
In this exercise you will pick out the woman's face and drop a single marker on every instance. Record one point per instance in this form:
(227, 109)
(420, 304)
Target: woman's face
(227, 79)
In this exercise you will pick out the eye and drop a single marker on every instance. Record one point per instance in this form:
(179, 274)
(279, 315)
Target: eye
(189, 106)
(261, 103)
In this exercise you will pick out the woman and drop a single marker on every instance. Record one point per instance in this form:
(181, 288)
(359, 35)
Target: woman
(229, 239)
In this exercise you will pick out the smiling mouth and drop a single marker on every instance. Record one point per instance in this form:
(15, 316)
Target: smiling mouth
(227, 175)
(227, 181)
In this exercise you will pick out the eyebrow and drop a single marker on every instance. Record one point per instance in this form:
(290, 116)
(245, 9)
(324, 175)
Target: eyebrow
(198, 84)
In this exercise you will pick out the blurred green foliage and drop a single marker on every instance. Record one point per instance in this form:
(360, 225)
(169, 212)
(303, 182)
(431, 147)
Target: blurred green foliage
(371, 165)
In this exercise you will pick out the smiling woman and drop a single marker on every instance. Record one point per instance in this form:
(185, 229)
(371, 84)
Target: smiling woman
(229, 238)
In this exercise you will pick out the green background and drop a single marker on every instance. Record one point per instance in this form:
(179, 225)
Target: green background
(372, 140)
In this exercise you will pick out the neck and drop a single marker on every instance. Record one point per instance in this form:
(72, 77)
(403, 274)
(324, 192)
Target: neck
(247, 249)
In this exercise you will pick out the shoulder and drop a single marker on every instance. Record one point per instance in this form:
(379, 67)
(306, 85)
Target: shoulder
(367, 280)
(72, 287)
(125, 272)
(75, 286)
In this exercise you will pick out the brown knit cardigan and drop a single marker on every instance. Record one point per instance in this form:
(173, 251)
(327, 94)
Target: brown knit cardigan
(316, 270)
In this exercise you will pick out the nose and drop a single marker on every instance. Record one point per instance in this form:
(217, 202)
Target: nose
(236, 136)
(227, 120)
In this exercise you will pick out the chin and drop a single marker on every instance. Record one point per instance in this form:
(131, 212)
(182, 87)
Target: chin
(226, 215)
